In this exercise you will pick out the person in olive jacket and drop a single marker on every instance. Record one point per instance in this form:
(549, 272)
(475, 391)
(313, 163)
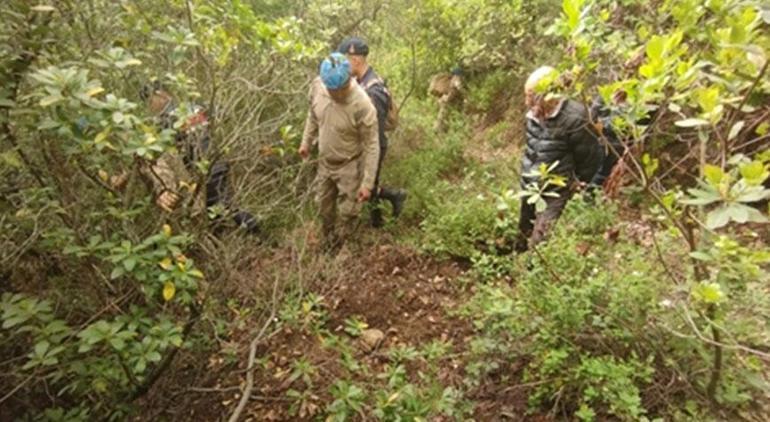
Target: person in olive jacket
(559, 130)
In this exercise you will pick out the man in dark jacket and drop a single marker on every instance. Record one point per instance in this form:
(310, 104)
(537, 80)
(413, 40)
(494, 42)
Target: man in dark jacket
(357, 51)
(561, 131)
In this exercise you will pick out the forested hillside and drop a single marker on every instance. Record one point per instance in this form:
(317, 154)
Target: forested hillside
(217, 298)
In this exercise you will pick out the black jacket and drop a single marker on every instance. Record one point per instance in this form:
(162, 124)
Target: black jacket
(380, 96)
(570, 138)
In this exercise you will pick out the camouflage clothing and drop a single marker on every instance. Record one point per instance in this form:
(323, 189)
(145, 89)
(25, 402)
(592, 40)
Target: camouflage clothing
(448, 88)
(175, 172)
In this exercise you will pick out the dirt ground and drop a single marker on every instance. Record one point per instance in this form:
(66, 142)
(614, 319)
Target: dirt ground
(407, 296)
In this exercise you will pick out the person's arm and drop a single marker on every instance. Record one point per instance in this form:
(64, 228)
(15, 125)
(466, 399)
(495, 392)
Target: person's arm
(547, 151)
(381, 102)
(163, 181)
(613, 149)
(368, 133)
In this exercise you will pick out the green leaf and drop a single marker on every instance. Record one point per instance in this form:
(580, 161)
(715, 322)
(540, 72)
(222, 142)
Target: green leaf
(129, 263)
(11, 159)
(117, 272)
(735, 130)
(718, 218)
(754, 172)
(707, 98)
(763, 129)
(14, 321)
(701, 256)
(655, 48)
(154, 356)
(709, 293)
(117, 343)
(41, 347)
(50, 100)
(702, 196)
(753, 194)
(713, 174)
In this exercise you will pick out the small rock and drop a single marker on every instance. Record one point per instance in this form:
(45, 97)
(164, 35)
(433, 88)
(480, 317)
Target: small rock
(371, 339)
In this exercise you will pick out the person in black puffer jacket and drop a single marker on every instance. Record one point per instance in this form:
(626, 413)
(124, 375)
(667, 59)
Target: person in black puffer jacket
(558, 130)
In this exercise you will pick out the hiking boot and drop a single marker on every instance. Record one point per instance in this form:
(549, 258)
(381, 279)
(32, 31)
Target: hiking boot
(376, 216)
(247, 222)
(396, 198)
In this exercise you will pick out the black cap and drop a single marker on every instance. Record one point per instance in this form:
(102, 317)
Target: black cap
(355, 46)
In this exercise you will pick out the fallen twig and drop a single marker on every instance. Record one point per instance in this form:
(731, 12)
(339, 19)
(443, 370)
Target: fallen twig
(252, 357)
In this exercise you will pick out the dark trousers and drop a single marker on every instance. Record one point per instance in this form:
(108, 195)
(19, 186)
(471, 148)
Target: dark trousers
(217, 193)
(533, 227)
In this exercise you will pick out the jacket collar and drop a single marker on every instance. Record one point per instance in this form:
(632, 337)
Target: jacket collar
(555, 112)
(368, 75)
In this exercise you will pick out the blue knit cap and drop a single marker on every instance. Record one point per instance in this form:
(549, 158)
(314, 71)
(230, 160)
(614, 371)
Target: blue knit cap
(335, 71)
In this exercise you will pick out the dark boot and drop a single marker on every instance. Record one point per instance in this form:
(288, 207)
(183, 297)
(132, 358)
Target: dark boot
(376, 216)
(246, 221)
(396, 198)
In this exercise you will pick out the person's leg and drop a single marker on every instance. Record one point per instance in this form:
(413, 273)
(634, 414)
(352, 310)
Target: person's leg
(546, 219)
(396, 197)
(375, 212)
(526, 225)
(216, 185)
(443, 114)
(217, 193)
(348, 183)
(326, 199)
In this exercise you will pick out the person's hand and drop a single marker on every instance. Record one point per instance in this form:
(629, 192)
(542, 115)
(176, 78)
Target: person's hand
(167, 201)
(364, 194)
(304, 151)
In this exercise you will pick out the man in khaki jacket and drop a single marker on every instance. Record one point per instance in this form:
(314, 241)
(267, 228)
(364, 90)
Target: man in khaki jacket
(343, 122)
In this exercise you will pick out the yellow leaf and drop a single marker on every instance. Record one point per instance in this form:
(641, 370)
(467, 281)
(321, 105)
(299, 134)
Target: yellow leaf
(168, 291)
(189, 186)
(181, 266)
(43, 8)
(94, 91)
(133, 62)
(101, 136)
(149, 139)
(393, 397)
(104, 176)
(196, 273)
(167, 230)
(50, 100)
(165, 263)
